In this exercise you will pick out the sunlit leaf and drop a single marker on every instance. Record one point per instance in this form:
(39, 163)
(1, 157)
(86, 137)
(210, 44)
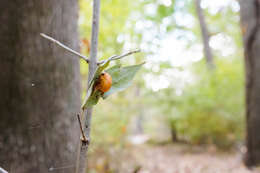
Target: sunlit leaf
(121, 77)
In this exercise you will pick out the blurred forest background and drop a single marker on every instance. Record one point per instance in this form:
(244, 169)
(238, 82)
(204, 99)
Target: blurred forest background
(177, 96)
(186, 111)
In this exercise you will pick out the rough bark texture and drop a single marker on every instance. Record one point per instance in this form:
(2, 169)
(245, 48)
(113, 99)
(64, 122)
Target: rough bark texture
(205, 35)
(39, 84)
(250, 16)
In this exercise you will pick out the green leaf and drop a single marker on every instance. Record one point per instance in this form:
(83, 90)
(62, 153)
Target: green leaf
(121, 77)
(92, 99)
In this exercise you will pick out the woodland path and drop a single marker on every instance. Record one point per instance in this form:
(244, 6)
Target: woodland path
(176, 158)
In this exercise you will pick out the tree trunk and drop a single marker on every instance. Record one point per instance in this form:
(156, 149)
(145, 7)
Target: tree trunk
(205, 35)
(250, 16)
(40, 86)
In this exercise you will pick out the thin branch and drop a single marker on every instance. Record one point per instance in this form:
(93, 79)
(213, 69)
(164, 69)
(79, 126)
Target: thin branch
(81, 166)
(116, 57)
(62, 167)
(84, 139)
(64, 47)
(2, 170)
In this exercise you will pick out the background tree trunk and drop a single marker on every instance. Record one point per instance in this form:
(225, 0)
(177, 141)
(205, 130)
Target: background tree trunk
(250, 17)
(205, 35)
(40, 86)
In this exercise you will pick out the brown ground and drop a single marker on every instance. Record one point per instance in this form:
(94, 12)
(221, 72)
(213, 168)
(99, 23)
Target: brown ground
(171, 159)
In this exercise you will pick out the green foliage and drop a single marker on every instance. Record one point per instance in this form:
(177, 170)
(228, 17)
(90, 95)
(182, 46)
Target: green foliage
(92, 99)
(111, 117)
(122, 77)
(211, 109)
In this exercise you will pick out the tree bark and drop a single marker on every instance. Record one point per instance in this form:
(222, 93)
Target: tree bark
(40, 86)
(250, 16)
(205, 35)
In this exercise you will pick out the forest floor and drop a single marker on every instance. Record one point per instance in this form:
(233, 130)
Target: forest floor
(171, 158)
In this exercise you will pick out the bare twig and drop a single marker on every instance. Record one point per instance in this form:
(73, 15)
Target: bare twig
(81, 129)
(116, 57)
(2, 170)
(64, 47)
(126, 54)
(62, 167)
(83, 148)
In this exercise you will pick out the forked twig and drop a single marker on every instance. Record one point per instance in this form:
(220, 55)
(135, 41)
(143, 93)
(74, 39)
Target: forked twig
(114, 57)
